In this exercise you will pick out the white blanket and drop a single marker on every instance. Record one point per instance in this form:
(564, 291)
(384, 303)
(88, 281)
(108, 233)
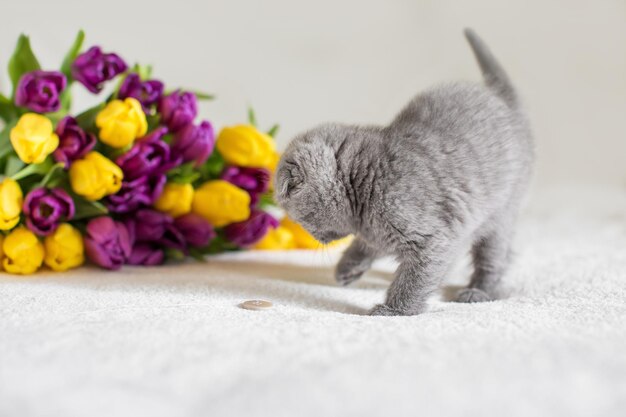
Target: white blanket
(172, 341)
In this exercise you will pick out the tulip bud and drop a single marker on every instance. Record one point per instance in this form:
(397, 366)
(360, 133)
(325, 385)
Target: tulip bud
(107, 243)
(178, 109)
(23, 252)
(245, 146)
(278, 238)
(196, 230)
(44, 209)
(40, 91)
(64, 248)
(251, 230)
(92, 68)
(221, 203)
(95, 176)
(121, 122)
(74, 142)
(194, 143)
(146, 254)
(175, 199)
(33, 138)
(11, 199)
(147, 92)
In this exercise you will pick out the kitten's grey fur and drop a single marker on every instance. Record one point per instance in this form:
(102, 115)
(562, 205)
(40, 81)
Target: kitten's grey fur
(449, 172)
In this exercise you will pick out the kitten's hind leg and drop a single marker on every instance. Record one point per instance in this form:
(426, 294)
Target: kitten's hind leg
(355, 261)
(491, 256)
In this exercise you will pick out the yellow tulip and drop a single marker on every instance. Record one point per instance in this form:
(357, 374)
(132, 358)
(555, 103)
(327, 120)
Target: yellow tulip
(304, 240)
(95, 176)
(221, 203)
(1, 250)
(33, 138)
(277, 239)
(121, 122)
(23, 252)
(11, 199)
(272, 168)
(274, 162)
(175, 199)
(64, 248)
(245, 146)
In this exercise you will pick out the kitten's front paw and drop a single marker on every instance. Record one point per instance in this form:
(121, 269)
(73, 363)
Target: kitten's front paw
(347, 274)
(472, 295)
(385, 310)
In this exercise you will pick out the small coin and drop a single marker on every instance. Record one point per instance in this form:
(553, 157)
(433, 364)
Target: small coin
(256, 305)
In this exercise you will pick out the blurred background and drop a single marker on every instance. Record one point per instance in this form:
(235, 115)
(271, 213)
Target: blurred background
(358, 61)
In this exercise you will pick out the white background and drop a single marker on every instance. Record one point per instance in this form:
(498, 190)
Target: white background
(302, 63)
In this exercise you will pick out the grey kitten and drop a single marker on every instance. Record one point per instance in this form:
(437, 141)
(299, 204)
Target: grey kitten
(449, 172)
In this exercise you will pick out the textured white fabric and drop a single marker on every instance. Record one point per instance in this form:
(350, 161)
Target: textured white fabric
(171, 341)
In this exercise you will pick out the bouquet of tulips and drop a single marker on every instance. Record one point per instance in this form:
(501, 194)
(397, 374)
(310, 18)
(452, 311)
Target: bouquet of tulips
(134, 180)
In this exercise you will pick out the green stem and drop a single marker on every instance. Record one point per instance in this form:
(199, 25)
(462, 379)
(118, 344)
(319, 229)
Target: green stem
(32, 169)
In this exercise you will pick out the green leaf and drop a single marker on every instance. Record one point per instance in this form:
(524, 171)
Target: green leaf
(273, 130)
(87, 119)
(251, 116)
(213, 167)
(217, 245)
(153, 121)
(87, 209)
(7, 109)
(111, 152)
(14, 164)
(167, 138)
(187, 179)
(197, 254)
(184, 174)
(144, 71)
(266, 200)
(5, 141)
(174, 254)
(66, 100)
(182, 169)
(203, 96)
(66, 66)
(22, 61)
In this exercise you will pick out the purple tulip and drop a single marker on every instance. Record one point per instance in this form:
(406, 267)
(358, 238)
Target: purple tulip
(196, 231)
(74, 142)
(40, 91)
(149, 156)
(149, 225)
(93, 68)
(194, 143)
(146, 92)
(249, 232)
(173, 238)
(45, 209)
(178, 109)
(146, 254)
(107, 243)
(137, 193)
(254, 180)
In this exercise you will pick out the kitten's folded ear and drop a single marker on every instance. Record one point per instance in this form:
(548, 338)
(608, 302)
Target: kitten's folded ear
(282, 184)
(287, 177)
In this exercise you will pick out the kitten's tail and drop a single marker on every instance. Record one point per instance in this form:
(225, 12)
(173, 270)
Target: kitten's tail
(494, 75)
